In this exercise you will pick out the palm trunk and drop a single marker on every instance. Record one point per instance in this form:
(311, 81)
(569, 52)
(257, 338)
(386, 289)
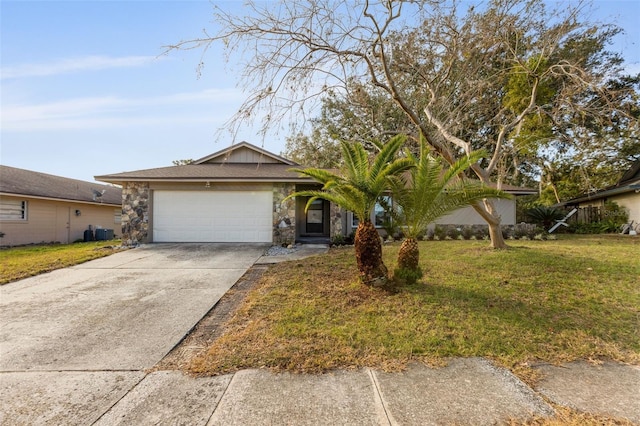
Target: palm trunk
(369, 255)
(408, 270)
(409, 254)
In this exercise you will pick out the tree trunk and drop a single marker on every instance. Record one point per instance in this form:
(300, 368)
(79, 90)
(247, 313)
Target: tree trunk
(489, 214)
(495, 234)
(409, 254)
(369, 255)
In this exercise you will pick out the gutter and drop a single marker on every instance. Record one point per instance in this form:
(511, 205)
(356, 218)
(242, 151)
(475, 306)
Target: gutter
(605, 193)
(63, 200)
(120, 181)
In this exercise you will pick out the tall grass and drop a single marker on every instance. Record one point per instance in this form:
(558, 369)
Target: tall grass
(26, 261)
(574, 298)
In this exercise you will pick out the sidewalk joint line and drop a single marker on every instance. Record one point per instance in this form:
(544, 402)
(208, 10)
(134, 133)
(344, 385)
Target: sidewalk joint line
(121, 398)
(221, 397)
(380, 399)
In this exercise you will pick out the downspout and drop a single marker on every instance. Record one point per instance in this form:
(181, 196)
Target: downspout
(68, 225)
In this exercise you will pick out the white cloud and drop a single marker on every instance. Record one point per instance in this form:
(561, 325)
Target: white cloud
(72, 65)
(114, 111)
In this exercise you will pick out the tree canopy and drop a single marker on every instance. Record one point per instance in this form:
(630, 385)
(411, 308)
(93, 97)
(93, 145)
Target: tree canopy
(513, 77)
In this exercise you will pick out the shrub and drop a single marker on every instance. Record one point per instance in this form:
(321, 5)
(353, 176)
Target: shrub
(608, 226)
(430, 234)
(584, 228)
(338, 240)
(407, 276)
(614, 216)
(439, 232)
(545, 216)
(507, 232)
(526, 231)
(390, 228)
(481, 232)
(452, 232)
(466, 232)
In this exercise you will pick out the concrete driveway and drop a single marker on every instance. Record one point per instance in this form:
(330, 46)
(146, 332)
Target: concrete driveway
(85, 334)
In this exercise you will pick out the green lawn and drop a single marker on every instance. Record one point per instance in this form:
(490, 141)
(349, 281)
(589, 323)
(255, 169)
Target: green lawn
(573, 298)
(26, 261)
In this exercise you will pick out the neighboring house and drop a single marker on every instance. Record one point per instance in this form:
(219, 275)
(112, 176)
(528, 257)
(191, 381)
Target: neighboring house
(625, 193)
(234, 195)
(466, 216)
(37, 207)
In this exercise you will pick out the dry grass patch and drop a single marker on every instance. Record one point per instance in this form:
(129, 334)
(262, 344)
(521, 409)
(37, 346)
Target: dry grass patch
(17, 263)
(567, 417)
(555, 301)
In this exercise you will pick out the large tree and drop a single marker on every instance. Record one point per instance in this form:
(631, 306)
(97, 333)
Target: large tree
(358, 116)
(314, 150)
(480, 78)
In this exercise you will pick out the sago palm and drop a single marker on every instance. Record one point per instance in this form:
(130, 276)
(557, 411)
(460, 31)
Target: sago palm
(361, 181)
(428, 192)
(544, 215)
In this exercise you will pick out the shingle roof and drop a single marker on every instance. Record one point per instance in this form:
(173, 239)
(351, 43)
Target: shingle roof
(28, 183)
(234, 172)
(632, 175)
(628, 183)
(204, 171)
(517, 190)
(230, 172)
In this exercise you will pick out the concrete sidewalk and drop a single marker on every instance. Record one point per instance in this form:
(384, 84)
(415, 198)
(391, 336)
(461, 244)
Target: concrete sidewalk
(469, 391)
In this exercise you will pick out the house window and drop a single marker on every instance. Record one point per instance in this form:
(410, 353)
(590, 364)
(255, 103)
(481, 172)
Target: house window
(13, 210)
(354, 220)
(117, 216)
(381, 214)
(315, 217)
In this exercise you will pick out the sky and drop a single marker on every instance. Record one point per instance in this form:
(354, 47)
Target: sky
(85, 89)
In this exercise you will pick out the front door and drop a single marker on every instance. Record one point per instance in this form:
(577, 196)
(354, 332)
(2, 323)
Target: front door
(315, 218)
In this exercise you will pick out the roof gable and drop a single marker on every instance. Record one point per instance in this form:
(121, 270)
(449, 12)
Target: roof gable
(244, 153)
(628, 183)
(28, 183)
(632, 174)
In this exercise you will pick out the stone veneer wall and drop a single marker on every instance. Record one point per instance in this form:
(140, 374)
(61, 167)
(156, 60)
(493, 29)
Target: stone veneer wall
(284, 214)
(135, 213)
(335, 220)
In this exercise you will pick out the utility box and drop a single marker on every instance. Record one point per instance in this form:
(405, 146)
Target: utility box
(104, 234)
(88, 235)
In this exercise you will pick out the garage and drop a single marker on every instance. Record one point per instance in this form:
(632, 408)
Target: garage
(212, 216)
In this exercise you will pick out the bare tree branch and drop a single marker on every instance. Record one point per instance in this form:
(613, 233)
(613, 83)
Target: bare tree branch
(510, 76)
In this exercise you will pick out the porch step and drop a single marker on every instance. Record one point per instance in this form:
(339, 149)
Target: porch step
(313, 240)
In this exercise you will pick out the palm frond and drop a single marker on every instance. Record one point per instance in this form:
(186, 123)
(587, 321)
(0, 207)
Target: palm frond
(319, 175)
(433, 191)
(361, 181)
(385, 157)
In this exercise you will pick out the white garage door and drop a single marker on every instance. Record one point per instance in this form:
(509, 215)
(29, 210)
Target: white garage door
(223, 216)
